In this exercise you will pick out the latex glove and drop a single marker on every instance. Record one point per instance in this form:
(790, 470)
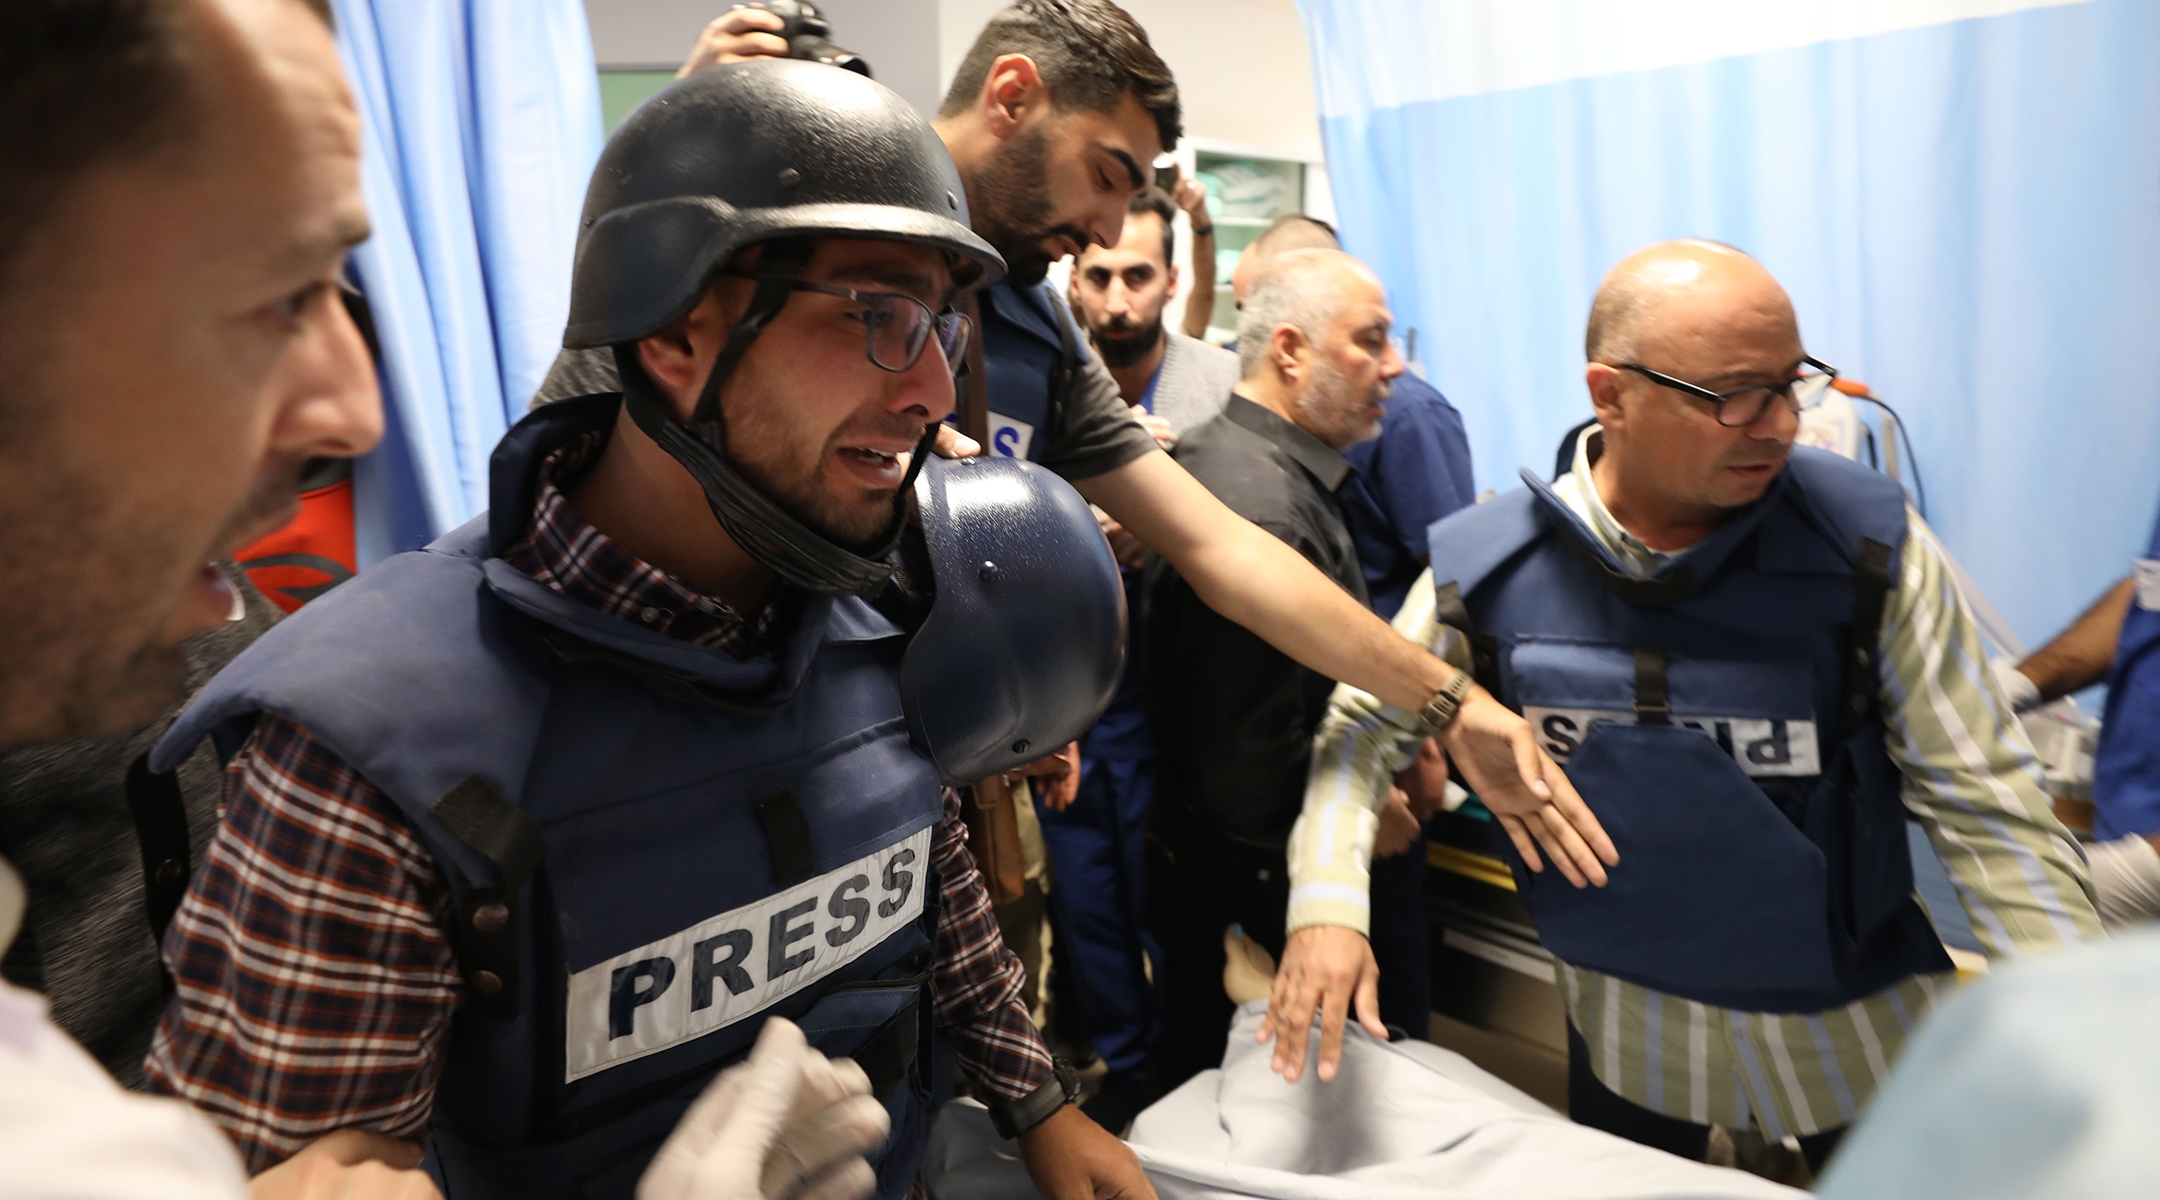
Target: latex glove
(350, 1164)
(733, 36)
(765, 1127)
(2017, 686)
(2126, 881)
(1331, 969)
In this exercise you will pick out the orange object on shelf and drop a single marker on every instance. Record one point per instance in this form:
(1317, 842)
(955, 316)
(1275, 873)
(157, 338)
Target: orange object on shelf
(311, 554)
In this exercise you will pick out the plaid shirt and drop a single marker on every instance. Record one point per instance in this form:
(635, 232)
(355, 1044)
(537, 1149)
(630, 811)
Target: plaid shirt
(315, 982)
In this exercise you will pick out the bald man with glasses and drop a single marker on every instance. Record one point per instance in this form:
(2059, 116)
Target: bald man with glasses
(1753, 663)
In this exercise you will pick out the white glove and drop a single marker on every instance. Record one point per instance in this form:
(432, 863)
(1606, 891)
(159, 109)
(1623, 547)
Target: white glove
(2126, 881)
(787, 1119)
(2017, 686)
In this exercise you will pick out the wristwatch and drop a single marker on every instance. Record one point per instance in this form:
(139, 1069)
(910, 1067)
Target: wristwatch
(1015, 1117)
(1439, 712)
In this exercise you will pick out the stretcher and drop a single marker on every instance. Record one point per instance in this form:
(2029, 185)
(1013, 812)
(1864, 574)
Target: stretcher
(1400, 1121)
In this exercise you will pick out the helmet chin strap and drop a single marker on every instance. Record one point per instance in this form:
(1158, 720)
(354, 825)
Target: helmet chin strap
(800, 555)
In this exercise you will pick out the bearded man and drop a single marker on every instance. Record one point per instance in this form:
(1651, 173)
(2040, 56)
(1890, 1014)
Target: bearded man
(1233, 716)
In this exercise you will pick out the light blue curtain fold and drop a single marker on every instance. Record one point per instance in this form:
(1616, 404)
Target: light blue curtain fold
(480, 124)
(1967, 215)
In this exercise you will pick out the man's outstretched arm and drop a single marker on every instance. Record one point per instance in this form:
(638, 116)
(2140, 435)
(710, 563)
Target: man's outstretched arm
(1252, 578)
(2080, 656)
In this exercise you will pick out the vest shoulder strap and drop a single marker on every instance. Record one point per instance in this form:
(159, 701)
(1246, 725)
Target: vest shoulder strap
(1067, 376)
(1848, 503)
(1471, 543)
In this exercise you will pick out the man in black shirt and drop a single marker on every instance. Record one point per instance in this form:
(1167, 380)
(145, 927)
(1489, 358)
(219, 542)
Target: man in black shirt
(1233, 716)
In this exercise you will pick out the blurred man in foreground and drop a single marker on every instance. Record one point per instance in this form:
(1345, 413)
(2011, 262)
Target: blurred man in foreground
(179, 185)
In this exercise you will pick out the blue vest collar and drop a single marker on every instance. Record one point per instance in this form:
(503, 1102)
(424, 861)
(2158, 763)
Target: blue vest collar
(1702, 561)
(1025, 306)
(514, 485)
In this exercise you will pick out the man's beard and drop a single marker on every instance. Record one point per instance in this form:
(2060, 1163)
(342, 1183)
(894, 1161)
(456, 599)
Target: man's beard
(1131, 343)
(1012, 207)
(799, 488)
(1333, 405)
(85, 594)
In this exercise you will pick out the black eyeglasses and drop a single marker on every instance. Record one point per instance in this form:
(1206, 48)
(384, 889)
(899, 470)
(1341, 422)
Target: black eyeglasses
(898, 325)
(1744, 406)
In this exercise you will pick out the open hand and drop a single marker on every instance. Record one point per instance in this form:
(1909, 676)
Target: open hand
(736, 35)
(1527, 792)
(1329, 968)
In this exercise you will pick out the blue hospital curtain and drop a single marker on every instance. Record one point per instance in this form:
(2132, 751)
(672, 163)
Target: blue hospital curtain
(480, 125)
(1962, 196)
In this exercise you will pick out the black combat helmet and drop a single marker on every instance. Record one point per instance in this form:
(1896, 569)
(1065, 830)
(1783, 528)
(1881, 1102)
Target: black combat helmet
(770, 151)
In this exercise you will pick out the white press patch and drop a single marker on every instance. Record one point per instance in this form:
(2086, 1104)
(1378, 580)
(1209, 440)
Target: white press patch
(1761, 747)
(1008, 437)
(740, 962)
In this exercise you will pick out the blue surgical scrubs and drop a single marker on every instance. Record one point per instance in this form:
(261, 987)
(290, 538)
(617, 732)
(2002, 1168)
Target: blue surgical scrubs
(1099, 848)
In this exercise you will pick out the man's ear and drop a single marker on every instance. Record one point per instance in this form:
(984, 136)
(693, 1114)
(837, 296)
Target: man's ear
(1011, 93)
(1606, 385)
(677, 358)
(1170, 284)
(1287, 348)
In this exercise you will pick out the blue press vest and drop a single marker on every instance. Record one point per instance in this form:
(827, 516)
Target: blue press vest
(1029, 350)
(723, 840)
(2126, 766)
(1763, 855)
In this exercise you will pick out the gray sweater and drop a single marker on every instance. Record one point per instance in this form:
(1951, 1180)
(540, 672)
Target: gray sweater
(1195, 381)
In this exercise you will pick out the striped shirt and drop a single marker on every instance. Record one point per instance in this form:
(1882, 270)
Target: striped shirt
(1970, 780)
(315, 985)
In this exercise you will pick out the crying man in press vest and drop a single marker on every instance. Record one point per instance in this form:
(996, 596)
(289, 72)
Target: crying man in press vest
(1755, 665)
(527, 834)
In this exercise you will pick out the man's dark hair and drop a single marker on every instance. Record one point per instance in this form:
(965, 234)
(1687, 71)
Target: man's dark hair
(1155, 200)
(84, 83)
(1090, 54)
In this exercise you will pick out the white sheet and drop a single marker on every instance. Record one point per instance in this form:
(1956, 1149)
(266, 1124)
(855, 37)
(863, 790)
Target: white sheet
(1408, 1121)
(1398, 1121)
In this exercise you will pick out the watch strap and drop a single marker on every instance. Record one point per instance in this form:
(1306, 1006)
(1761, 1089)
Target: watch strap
(1439, 712)
(1015, 1117)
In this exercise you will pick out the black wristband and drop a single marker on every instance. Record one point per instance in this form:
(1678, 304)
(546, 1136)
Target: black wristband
(1015, 1117)
(1198, 232)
